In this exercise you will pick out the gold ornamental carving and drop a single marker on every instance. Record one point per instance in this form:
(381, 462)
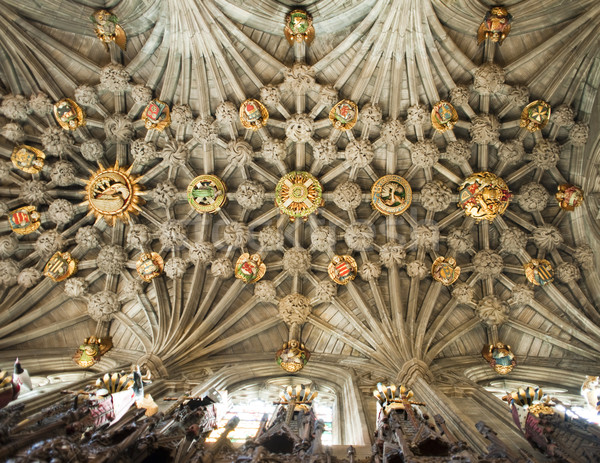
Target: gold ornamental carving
(298, 194)
(483, 195)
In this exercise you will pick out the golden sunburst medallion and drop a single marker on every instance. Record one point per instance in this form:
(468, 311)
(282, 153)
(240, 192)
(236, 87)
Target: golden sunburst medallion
(253, 114)
(342, 269)
(28, 159)
(113, 194)
(535, 115)
(298, 194)
(443, 116)
(149, 265)
(344, 115)
(391, 195)
(68, 114)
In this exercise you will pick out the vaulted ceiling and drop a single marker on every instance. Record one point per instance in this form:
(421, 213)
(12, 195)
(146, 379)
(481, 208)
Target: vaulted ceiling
(395, 60)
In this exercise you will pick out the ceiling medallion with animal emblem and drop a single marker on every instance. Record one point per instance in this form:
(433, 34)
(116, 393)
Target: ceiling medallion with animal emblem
(207, 193)
(443, 116)
(391, 195)
(342, 269)
(298, 194)
(60, 266)
(28, 159)
(569, 196)
(250, 268)
(344, 115)
(253, 114)
(68, 114)
(539, 271)
(113, 194)
(149, 265)
(292, 356)
(445, 270)
(298, 27)
(483, 195)
(535, 115)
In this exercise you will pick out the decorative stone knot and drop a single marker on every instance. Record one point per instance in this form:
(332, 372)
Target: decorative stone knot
(270, 238)
(585, 256)
(296, 261)
(511, 151)
(513, 240)
(76, 287)
(221, 268)
(8, 245)
(34, 192)
(250, 195)
(412, 370)
(86, 95)
(87, 237)
(239, 152)
(370, 114)
(488, 263)
(15, 107)
(102, 306)
(435, 196)
(485, 129)
(181, 115)
(324, 151)
(56, 141)
(299, 128)
(359, 236)
(370, 271)
(533, 197)
(63, 173)
(61, 211)
(463, 293)
(359, 153)
(323, 239)
(143, 151)
(29, 277)
(205, 130)
(165, 194)
(458, 152)
(347, 196)
(138, 236)
(9, 272)
(545, 154)
(460, 240)
(236, 234)
(547, 237)
(416, 115)
(392, 253)
(518, 95)
(141, 94)
(111, 259)
(563, 115)
(202, 252)
(171, 234)
(579, 134)
(48, 243)
(326, 291)
(226, 112)
(5, 169)
(426, 236)
(270, 95)
(265, 291)
(489, 78)
(92, 150)
(393, 131)
(567, 273)
(273, 150)
(175, 153)
(299, 78)
(328, 95)
(13, 132)
(40, 104)
(492, 311)
(131, 288)
(175, 267)
(417, 269)
(294, 308)
(459, 95)
(114, 78)
(424, 154)
(522, 294)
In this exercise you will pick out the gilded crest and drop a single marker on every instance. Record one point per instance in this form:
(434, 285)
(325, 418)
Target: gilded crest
(207, 193)
(495, 26)
(539, 272)
(342, 269)
(298, 194)
(250, 268)
(28, 159)
(535, 115)
(391, 195)
(569, 197)
(298, 27)
(292, 356)
(443, 116)
(253, 114)
(60, 266)
(500, 357)
(91, 351)
(483, 195)
(24, 220)
(68, 114)
(344, 115)
(445, 270)
(107, 28)
(149, 265)
(156, 115)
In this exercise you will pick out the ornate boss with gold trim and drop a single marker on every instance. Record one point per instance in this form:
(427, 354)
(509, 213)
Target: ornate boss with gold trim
(28, 159)
(253, 114)
(391, 195)
(443, 116)
(539, 271)
(92, 350)
(298, 194)
(298, 27)
(344, 115)
(60, 266)
(535, 115)
(569, 196)
(292, 356)
(149, 265)
(68, 114)
(156, 115)
(107, 28)
(342, 269)
(207, 193)
(495, 26)
(483, 195)
(24, 220)
(500, 357)
(445, 270)
(250, 268)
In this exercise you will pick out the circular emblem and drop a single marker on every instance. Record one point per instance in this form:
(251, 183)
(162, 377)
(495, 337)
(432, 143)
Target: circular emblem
(112, 193)
(250, 268)
(342, 269)
(68, 114)
(60, 266)
(535, 115)
(391, 195)
(569, 197)
(344, 115)
(28, 159)
(298, 27)
(292, 356)
(253, 114)
(207, 193)
(443, 116)
(539, 271)
(445, 270)
(149, 265)
(483, 195)
(298, 194)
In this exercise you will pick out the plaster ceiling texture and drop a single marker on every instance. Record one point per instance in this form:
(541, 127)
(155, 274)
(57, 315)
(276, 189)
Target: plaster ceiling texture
(395, 60)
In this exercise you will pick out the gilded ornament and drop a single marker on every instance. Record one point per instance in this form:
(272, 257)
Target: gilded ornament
(253, 114)
(391, 195)
(250, 268)
(495, 26)
(342, 269)
(344, 115)
(107, 28)
(207, 193)
(28, 159)
(483, 195)
(393, 397)
(500, 357)
(539, 272)
(60, 266)
(293, 356)
(91, 351)
(156, 115)
(298, 27)
(569, 196)
(298, 194)
(445, 270)
(535, 115)
(24, 220)
(531, 398)
(443, 116)
(68, 114)
(149, 265)
(113, 194)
